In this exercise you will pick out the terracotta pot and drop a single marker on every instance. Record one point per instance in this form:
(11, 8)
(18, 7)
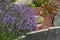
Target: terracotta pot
(40, 25)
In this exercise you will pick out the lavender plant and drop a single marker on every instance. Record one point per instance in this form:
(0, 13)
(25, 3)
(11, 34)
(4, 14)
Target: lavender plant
(15, 20)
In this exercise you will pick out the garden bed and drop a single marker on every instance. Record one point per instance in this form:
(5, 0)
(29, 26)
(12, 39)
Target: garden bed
(29, 20)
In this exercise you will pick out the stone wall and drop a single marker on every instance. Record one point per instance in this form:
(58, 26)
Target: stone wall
(53, 33)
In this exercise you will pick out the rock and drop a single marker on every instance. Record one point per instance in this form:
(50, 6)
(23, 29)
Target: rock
(57, 19)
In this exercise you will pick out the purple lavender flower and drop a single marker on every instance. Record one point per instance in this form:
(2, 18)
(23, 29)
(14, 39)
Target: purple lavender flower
(17, 18)
(10, 29)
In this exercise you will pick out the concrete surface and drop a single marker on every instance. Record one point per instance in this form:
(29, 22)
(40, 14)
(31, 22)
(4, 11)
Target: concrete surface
(53, 33)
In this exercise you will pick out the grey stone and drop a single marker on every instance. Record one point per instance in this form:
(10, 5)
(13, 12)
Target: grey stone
(53, 33)
(57, 19)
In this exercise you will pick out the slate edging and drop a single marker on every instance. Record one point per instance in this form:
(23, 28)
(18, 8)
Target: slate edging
(53, 33)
